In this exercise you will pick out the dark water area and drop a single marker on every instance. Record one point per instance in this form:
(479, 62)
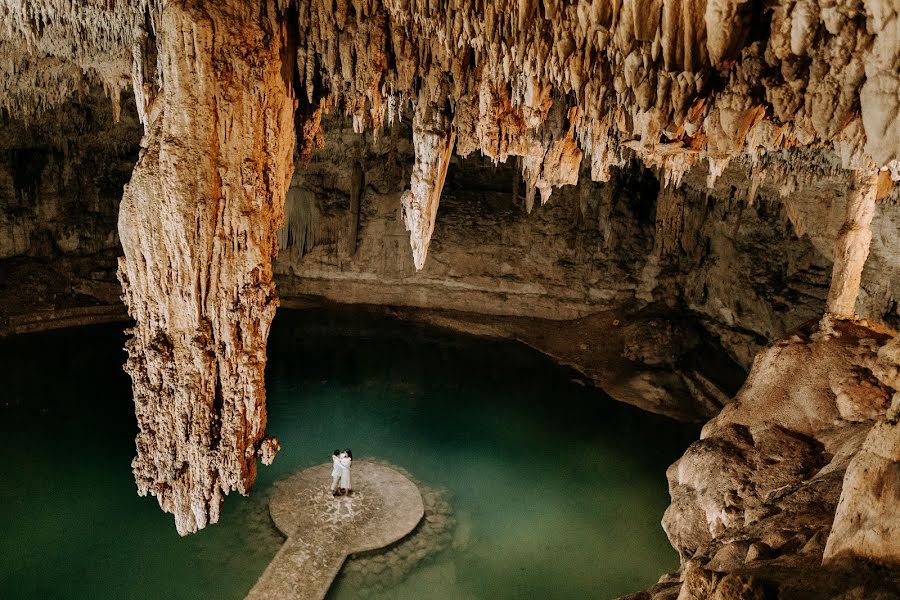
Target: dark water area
(557, 489)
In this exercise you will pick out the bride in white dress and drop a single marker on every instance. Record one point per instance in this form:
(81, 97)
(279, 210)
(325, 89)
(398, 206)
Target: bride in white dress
(344, 461)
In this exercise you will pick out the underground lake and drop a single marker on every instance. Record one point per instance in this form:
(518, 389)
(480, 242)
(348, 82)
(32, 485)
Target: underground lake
(556, 490)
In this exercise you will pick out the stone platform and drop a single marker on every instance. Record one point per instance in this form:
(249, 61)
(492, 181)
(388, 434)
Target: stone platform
(322, 531)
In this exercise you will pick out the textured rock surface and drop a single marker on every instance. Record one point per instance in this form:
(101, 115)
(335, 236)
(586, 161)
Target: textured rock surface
(779, 96)
(433, 138)
(852, 246)
(198, 228)
(61, 178)
(684, 81)
(755, 498)
(867, 522)
(757, 252)
(671, 84)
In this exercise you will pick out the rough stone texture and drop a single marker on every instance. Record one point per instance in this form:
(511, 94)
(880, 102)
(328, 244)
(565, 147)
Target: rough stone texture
(322, 531)
(867, 522)
(793, 92)
(756, 496)
(61, 178)
(198, 228)
(639, 77)
(53, 50)
(668, 83)
(757, 252)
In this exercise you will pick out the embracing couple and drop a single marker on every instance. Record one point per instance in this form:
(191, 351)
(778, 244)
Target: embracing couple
(340, 472)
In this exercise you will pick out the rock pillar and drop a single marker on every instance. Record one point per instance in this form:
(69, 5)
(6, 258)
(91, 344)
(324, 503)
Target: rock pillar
(852, 246)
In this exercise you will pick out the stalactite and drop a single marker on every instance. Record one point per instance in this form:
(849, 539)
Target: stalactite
(300, 230)
(670, 83)
(198, 227)
(433, 138)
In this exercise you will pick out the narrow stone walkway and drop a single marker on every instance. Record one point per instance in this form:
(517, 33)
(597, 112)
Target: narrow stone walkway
(322, 531)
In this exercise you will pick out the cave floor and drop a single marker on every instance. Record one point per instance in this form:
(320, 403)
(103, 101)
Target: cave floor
(323, 530)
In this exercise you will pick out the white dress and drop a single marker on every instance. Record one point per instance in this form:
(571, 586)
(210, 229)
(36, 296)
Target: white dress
(345, 461)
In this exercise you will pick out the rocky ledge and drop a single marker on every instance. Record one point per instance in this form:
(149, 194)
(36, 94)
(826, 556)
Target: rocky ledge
(793, 489)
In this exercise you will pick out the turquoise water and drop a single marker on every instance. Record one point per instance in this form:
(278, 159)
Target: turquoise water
(558, 490)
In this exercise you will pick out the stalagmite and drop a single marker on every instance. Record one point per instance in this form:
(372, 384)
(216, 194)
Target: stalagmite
(852, 245)
(197, 224)
(433, 138)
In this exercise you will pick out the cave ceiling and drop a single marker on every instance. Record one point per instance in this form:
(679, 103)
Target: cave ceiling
(230, 92)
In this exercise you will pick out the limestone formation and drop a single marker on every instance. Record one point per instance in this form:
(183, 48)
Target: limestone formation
(754, 108)
(198, 226)
(852, 246)
(757, 494)
(433, 137)
(867, 522)
(671, 84)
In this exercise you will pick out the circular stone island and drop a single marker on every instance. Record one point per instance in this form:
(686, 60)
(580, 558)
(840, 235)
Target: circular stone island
(323, 530)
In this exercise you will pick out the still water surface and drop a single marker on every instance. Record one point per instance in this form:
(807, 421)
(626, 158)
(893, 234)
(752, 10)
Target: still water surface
(558, 490)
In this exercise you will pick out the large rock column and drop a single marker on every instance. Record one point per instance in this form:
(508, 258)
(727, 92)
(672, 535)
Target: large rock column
(198, 226)
(852, 246)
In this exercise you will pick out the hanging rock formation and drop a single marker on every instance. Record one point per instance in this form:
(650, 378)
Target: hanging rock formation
(789, 89)
(670, 83)
(198, 226)
(433, 138)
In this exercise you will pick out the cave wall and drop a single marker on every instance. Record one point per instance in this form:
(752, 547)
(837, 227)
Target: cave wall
(789, 94)
(770, 242)
(581, 251)
(61, 179)
(743, 270)
(752, 271)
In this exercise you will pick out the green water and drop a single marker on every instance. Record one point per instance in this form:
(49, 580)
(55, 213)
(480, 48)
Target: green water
(558, 490)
